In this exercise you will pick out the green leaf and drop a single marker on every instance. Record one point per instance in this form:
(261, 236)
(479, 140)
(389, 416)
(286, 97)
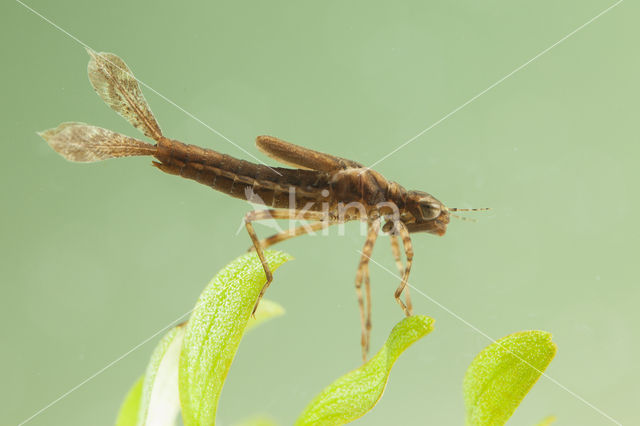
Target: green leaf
(160, 403)
(261, 420)
(214, 332)
(357, 392)
(503, 373)
(547, 421)
(128, 415)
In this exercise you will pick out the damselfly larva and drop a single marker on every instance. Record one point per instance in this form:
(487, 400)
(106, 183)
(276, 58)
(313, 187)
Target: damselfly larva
(326, 189)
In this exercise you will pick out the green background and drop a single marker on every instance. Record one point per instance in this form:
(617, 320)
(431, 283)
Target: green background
(97, 258)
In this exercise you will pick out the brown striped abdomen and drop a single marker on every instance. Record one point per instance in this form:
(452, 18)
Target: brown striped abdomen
(240, 178)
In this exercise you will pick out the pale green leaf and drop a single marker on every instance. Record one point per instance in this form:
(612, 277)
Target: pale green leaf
(503, 373)
(357, 392)
(214, 332)
(160, 402)
(128, 415)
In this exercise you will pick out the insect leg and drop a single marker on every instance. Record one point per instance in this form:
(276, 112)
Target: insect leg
(408, 251)
(367, 290)
(272, 214)
(292, 233)
(362, 275)
(395, 248)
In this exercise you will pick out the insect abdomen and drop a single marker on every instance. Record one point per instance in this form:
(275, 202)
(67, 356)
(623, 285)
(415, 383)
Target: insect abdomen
(241, 179)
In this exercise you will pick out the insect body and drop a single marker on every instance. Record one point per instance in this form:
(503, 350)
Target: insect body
(322, 189)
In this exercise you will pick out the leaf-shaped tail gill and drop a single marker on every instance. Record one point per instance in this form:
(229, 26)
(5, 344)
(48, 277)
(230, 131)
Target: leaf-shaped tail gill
(84, 143)
(116, 85)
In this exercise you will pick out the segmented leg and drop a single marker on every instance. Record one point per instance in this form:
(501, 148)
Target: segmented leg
(273, 214)
(291, 233)
(362, 275)
(367, 292)
(395, 248)
(408, 251)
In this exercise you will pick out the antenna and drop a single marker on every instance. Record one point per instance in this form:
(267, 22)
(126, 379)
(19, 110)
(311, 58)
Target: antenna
(455, 209)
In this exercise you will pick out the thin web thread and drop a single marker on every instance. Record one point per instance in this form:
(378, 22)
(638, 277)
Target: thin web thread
(103, 369)
(495, 84)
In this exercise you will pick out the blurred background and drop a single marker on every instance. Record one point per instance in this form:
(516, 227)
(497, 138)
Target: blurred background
(97, 258)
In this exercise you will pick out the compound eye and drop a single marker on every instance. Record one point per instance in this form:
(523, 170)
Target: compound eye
(429, 211)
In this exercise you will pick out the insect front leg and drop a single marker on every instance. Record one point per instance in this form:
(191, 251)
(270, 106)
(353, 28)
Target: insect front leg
(408, 251)
(362, 276)
(395, 248)
(257, 215)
